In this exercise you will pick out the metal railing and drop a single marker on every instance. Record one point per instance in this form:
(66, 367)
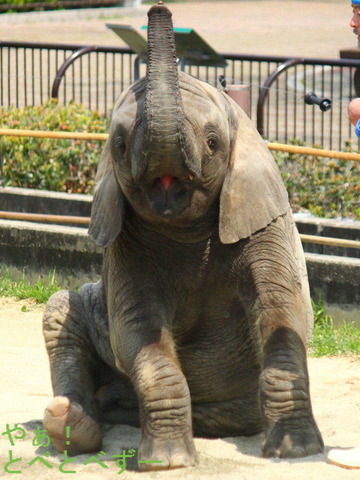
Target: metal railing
(33, 72)
(30, 73)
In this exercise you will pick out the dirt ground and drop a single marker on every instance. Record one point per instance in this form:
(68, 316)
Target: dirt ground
(25, 391)
(309, 28)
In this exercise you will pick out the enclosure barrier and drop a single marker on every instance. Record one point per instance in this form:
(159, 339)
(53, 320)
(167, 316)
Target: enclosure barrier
(33, 72)
(316, 152)
(43, 218)
(9, 132)
(336, 242)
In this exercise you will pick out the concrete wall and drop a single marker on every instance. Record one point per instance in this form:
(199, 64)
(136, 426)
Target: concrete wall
(324, 227)
(26, 200)
(39, 249)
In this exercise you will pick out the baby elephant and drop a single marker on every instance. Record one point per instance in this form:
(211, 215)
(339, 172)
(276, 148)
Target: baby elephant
(201, 320)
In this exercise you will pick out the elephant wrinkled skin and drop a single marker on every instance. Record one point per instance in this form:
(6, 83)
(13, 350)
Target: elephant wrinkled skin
(202, 317)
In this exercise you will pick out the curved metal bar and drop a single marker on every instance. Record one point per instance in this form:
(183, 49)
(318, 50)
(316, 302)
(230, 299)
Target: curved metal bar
(265, 89)
(69, 61)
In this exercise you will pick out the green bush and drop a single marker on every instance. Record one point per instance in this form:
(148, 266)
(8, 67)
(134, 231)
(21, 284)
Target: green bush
(24, 2)
(52, 164)
(325, 187)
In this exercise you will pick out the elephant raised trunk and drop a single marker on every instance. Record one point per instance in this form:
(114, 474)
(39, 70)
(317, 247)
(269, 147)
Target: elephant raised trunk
(168, 151)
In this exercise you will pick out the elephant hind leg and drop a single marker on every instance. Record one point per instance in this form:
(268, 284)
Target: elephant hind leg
(237, 417)
(70, 428)
(74, 366)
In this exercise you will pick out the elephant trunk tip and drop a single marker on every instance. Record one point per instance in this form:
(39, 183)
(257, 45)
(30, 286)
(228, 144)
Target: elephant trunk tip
(159, 8)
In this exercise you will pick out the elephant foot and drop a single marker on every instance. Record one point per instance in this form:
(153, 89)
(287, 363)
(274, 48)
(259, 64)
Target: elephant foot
(83, 436)
(166, 453)
(292, 438)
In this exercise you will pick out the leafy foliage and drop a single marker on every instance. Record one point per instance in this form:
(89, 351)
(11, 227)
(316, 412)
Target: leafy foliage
(52, 164)
(24, 2)
(320, 317)
(326, 187)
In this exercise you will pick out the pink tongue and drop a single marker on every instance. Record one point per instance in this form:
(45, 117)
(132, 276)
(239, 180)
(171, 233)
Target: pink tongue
(166, 180)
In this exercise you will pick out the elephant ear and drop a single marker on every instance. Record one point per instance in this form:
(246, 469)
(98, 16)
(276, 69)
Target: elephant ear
(107, 211)
(253, 194)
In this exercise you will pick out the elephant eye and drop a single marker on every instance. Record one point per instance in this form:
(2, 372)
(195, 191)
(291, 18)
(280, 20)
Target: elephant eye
(121, 146)
(212, 143)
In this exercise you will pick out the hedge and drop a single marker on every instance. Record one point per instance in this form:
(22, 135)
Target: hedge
(12, 6)
(49, 164)
(325, 187)
(24, 2)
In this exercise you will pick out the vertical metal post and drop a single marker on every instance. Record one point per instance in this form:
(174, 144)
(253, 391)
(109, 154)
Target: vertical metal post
(294, 100)
(340, 115)
(48, 72)
(2, 177)
(105, 83)
(81, 76)
(17, 77)
(113, 75)
(41, 75)
(286, 106)
(268, 108)
(9, 76)
(97, 81)
(313, 110)
(137, 68)
(33, 75)
(332, 110)
(73, 81)
(2, 75)
(89, 80)
(131, 70)
(304, 104)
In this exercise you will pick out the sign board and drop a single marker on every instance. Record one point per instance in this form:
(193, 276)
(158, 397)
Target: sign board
(191, 48)
(130, 36)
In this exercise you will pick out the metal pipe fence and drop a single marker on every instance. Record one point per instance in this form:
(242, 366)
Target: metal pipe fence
(31, 73)
(85, 221)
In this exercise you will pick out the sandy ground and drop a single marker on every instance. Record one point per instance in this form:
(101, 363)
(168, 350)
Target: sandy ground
(25, 391)
(309, 28)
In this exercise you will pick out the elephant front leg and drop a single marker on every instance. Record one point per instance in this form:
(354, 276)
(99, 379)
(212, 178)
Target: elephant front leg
(290, 428)
(148, 357)
(282, 314)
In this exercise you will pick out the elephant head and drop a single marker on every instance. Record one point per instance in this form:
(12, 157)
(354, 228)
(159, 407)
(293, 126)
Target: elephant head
(180, 154)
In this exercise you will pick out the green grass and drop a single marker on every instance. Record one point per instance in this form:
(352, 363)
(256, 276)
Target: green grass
(333, 340)
(22, 289)
(327, 339)
(330, 340)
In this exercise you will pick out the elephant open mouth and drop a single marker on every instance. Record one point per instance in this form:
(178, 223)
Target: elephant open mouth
(168, 197)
